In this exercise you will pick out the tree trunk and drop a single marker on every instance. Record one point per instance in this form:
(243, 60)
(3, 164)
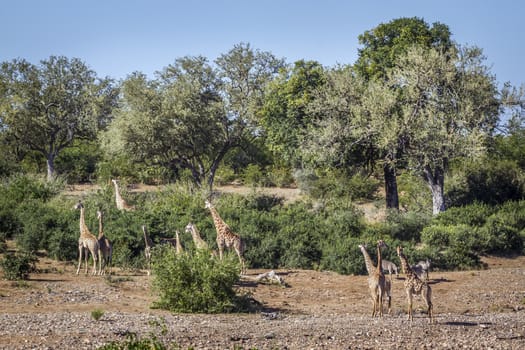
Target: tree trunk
(392, 199)
(436, 180)
(50, 167)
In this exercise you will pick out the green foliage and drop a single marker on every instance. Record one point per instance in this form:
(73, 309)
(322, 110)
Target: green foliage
(18, 266)
(404, 226)
(490, 181)
(133, 342)
(253, 175)
(474, 214)
(78, 162)
(336, 184)
(196, 282)
(97, 314)
(382, 45)
(479, 229)
(51, 104)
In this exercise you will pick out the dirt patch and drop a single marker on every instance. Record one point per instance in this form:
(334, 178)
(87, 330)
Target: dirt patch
(474, 309)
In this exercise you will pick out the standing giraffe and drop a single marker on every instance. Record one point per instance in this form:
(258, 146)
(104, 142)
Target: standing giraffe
(370, 268)
(376, 283)
(195, 234)
(87, 242)
(121, 203)
(105, 245)
(178, 246)
(413, 285)
(226, 237)
(147, 250)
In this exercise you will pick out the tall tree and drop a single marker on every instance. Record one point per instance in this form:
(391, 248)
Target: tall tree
(285, 116)
(449, 106)
(45, 107)
(194, 113)
(381, 48)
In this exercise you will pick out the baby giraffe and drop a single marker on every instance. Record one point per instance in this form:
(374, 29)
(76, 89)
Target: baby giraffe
(413, 285)
(105, 246)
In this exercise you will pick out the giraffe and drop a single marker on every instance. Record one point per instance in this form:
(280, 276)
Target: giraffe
(226, 236)
(376, 282)
(147, 250)
(87, 242)
(413, 285)
(370, 268)
(178, 246)
(195, 234)
(174, 242)
(106, 247)
(121, 203)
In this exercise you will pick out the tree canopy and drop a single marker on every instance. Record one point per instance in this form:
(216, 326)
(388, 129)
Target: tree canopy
(45, 107)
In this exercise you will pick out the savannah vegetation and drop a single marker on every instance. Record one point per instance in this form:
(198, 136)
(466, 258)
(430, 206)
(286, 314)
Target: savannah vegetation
(417, 125)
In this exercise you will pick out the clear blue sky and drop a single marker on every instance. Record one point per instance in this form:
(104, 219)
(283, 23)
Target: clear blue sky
(118, 37)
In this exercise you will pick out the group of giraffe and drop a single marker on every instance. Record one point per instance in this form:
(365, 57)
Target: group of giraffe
(101, 249)
(226, 238)
(380, 286)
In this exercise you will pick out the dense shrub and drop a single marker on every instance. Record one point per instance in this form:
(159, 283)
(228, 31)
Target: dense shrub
(490, 181)
(500, 237)
(18, 266)
(405, 226)
(196, 282)
(472, 215)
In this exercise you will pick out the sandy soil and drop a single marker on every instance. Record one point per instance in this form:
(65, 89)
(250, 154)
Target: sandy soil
(474, 309)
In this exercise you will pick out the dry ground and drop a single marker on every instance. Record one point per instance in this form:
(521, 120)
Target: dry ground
(474, 309)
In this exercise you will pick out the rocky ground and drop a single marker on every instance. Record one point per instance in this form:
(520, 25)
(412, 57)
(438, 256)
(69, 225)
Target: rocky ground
(318, 310)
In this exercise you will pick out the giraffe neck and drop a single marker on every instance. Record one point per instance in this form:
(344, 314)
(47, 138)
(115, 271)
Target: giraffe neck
(217, 220)
(118, 197)
(177, 241)
(404, 264)
(83, 227)
(195, 234)
(378, 268)
(100, 228)
(147, 240)
(368, 262)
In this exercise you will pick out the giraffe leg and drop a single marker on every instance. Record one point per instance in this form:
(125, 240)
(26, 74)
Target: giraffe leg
(220, 251)
(373, 294)
(94, 271)
(409, 299)
(80, 250)
(241, 260)
(427, 297)
(380, 302)
(86, 258)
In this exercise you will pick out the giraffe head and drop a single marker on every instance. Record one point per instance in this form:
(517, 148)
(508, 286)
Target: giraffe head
(189, 227)
(99, 214)
(79, 205)
(114, 181)
(207, 204)
(381, 244)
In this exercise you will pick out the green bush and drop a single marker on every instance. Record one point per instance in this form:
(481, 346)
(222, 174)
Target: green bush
(18, 266)
(474, 214)
(133, 342)
(489, 181)
(195, 282)
(500, 237)
(253, 175)
(405, 226)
